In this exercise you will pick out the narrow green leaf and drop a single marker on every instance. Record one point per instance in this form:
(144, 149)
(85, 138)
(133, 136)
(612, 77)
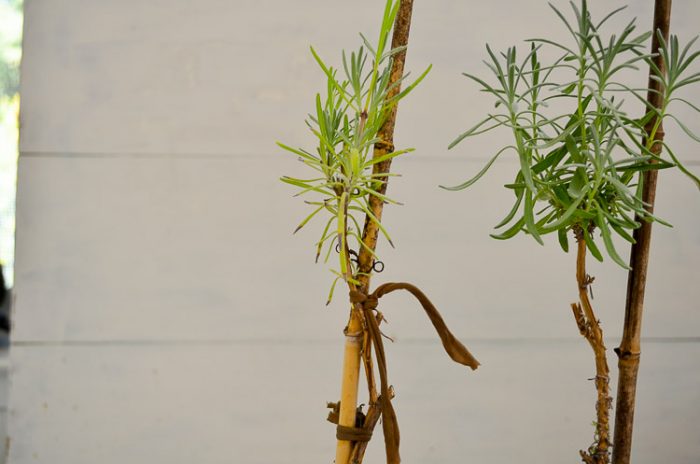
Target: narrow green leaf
(379, 224)
(530, 218)
(609, 15)
(342, 238)
(551, 159)
(469, 132)
(330, 293)
(685, 128)
(388, 156)
(683, 169)
(573, 148)
(297, 151)
(307, 219)
(413, 85)
(324, 237)
(682, 100)
(590, 243)
(607, 240)
(480, 174)
(578, 183)
(622, 233)
(561, 16)
(524, 156)
(519, 193)
(517, 227)
(563, 239)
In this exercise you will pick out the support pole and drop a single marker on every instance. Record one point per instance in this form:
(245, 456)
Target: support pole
(350, 382)
(629, 350)
(353, 344)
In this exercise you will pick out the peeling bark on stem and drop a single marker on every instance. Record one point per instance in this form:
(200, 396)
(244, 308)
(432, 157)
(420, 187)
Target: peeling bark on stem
(353, 352)
(385, 145)
(630, 348)
(589, 326)
(373, 414)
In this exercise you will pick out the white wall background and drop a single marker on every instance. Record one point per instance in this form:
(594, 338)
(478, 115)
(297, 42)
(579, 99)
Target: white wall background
(164, 312)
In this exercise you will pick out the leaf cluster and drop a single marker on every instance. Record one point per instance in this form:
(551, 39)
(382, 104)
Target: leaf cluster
(346, 123)
(581, 170)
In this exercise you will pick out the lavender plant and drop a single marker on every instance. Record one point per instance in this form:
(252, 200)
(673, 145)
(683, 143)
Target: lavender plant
(580, 171)
(347, 120)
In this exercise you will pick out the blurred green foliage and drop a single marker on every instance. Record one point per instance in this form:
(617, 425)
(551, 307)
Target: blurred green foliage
(10, 46)
(11, 14)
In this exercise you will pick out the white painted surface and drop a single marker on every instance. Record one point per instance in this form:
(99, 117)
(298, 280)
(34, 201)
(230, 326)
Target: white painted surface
(176, 249)
(218, 77)
(164, 312)
(263, 402)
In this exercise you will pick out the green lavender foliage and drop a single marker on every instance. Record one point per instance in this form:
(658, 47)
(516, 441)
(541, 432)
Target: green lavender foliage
(346, 124)
(581, 170)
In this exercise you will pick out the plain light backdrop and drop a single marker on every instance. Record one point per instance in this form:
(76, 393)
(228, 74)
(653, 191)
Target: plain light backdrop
(165, 313)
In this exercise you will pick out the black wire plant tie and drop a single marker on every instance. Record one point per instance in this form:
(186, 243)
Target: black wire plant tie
(377, 266)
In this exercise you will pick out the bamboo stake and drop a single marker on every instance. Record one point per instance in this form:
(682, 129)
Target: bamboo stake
(350, 382)
(629, 350)
(353, 342)
(589, 326)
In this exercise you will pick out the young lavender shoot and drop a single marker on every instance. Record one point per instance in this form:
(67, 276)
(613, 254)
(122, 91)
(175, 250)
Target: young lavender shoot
(346, 122)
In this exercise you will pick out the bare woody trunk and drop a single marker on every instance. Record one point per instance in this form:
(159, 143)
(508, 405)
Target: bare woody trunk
(357, 348)
(629, 350)
(589, 326)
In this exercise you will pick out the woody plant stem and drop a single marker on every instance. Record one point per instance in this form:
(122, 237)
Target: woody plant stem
(589, 326)
(357, 347)
(629, 351)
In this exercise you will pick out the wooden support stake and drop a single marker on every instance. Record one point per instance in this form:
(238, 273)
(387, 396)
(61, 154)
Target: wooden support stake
(353, 352)
(629, 350)
(350, 381)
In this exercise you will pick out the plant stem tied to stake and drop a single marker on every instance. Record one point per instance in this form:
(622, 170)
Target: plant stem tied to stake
(362, 332)
(629, 350)
(354, 330)
(454, 348)
(354, 125)
(589, 326)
